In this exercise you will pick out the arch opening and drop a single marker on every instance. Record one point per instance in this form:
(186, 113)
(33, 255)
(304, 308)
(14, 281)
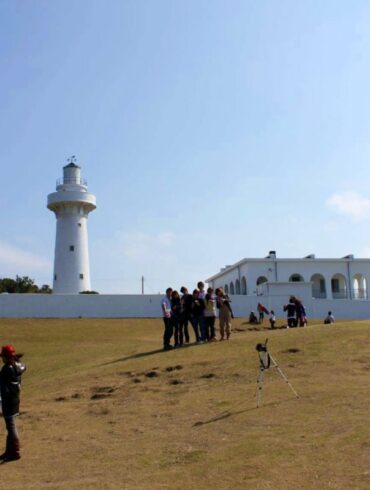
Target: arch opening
(296, 278)
(244, 285)
(261, 280)
(359, 286)
(339, 286)
(318, 286)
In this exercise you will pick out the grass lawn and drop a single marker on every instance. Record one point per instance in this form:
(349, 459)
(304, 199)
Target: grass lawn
(104, 408)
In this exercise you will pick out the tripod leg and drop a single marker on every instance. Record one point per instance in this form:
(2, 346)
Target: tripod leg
(259, 386)
(284, 377)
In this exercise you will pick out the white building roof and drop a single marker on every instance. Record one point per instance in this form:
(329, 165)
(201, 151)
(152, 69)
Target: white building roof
(272, 258)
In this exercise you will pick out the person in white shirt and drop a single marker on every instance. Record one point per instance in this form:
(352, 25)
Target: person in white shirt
(167, 319)
(272, 319)
(202, 324)
(210, 315)
(329, 318)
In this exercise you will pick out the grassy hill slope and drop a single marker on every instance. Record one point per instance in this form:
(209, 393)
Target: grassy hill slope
(103, 407)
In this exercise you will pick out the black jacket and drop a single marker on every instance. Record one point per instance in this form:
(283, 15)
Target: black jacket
(10, 386)
(176, 307)
(186, 304)
(197, 307)
(291, 310)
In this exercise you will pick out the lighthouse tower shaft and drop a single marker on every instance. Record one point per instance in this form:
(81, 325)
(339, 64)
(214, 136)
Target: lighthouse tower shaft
(71, 204)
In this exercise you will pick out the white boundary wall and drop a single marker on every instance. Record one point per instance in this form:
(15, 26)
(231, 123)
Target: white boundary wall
(148, 306)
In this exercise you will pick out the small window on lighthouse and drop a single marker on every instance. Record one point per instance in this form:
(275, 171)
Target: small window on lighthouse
(71, 248)
(81, 276)
(55, 277)
(79, 224)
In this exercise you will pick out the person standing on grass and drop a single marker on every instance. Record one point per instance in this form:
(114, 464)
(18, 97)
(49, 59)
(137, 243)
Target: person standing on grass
(272, 319)
(186, 301)
(176, 317)
(167, 319)
(291, 312)
(10, 385)
(196, 314)
(300, 312)
(261, 312)
(202, 323)
(210, 315)
(225, 313)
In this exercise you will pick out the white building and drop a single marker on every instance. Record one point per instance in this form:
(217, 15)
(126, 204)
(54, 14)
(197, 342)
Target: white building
(71, 204)
(330, 279)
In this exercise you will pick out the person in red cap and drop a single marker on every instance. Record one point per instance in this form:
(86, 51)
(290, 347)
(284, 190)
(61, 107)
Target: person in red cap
(10, 385)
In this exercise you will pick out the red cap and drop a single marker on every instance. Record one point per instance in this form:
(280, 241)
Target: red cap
(7, 351)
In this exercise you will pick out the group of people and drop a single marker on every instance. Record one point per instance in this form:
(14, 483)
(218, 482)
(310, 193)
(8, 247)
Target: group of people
(10, 381)
(296, 313)
(295, 310)
(262, 310)
(199, 309)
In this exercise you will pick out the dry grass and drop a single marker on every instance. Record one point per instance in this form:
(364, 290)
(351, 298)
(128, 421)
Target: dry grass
(104, 408)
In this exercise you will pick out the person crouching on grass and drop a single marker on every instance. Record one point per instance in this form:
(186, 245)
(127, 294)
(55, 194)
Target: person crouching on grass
(10, 386)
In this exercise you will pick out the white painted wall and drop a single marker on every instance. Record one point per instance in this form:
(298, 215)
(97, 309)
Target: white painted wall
(148, 306)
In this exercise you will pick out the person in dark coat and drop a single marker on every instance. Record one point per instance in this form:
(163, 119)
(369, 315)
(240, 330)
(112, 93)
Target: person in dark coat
(10, 386)
(167, 319)
(186, 302)
(176, 317)
(196, 315)
(291, 311)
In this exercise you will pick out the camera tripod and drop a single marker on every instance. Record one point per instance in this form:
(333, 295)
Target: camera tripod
(267, 362)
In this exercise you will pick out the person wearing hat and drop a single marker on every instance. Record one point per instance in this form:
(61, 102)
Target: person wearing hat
(10, 385)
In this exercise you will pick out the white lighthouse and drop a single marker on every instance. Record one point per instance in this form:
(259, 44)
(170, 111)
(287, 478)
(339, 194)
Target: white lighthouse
(71, 204)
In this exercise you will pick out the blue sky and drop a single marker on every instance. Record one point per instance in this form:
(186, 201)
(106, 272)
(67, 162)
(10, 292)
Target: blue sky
(209, 131)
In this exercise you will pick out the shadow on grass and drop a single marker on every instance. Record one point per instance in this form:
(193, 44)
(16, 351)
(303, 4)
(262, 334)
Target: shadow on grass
(228, 413)
(139, 355)
(222, 416)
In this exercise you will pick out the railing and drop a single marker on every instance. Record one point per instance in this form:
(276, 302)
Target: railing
(359, 293)
(356, 293)
(76, 181)
(318, 293)
(340, 294)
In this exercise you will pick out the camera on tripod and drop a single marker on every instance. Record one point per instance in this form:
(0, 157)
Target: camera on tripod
(267, 361)
(263, 355)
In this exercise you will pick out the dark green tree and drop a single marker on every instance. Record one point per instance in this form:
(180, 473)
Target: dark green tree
(8, 285)
(22, 284)
(26, 285)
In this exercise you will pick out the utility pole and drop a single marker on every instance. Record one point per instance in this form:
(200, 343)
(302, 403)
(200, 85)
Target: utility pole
(142, 284)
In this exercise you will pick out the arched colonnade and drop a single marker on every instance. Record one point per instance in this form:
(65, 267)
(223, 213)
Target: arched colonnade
(337, 286)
